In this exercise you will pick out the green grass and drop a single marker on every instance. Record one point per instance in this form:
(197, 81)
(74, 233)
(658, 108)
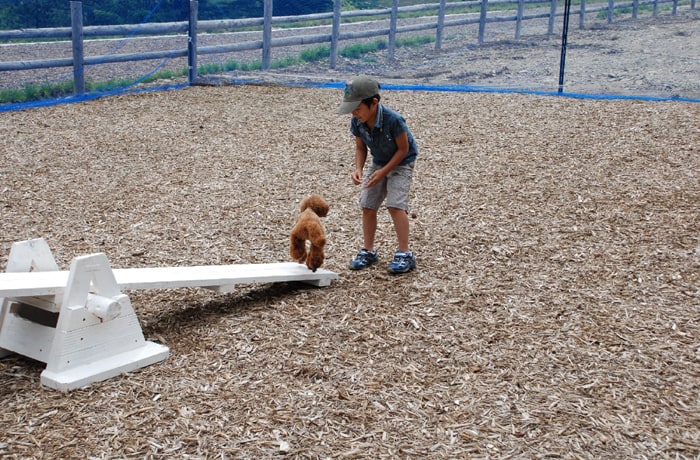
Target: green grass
(358, 49)
(628, 10)
(35, 92)
(317, 53)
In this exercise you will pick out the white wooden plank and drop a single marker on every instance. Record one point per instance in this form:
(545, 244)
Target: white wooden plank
(25, 284)
(211, 276)
(104, 368)
(215, 275)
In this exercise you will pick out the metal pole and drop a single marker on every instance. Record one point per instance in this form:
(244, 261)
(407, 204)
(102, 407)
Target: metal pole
(76, 11)
(564, 37)
(192, 41)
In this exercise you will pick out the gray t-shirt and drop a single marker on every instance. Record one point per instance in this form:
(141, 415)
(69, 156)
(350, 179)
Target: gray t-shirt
(381, 139)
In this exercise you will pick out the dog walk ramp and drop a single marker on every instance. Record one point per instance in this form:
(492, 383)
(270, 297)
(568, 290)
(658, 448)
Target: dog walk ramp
(220, 278)
(81, 324)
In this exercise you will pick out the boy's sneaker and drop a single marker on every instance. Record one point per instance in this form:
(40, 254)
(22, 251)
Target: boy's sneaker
(363, 259)
(403, 262)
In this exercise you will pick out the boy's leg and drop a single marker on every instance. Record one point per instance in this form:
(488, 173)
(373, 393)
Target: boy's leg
(370, 201)
(401, 226)
(369, 227)
(367, 255)
(398, 188)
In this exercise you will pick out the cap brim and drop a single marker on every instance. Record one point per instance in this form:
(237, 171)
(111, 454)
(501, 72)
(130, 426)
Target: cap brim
(347, 107)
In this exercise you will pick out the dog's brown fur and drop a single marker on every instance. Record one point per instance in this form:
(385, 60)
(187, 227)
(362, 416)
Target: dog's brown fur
(308, 227)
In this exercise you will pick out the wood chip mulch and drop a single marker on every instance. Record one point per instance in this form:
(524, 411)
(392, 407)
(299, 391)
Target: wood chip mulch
(554, 313)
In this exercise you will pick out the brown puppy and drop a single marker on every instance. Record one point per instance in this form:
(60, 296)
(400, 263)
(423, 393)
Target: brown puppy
(308, 227)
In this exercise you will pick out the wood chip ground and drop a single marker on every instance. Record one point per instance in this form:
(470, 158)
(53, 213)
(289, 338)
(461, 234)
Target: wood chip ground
(554, 313)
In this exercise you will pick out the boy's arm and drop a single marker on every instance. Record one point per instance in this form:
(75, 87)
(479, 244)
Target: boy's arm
(399, 155)
(360, 158)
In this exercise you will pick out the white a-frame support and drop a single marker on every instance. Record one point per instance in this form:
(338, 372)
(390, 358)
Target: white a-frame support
(84, 328)
(85, 332)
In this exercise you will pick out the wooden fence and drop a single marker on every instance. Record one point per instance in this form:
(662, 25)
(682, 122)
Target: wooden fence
(444, 17)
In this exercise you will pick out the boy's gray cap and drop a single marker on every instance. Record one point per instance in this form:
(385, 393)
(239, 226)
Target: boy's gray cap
(356, 91)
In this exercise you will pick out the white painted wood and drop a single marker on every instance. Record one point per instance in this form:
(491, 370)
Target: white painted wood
(98, 370)
(31, 256)
(27, 256)
(25, 337)
(83, 347)
(208, 276)
(217, 275)
(81, 324)
(34, 256)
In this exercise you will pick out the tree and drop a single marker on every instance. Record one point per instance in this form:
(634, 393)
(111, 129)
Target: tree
(233, 9)
(108, 12)
(230, 9)
(291, 8)
(20, 14)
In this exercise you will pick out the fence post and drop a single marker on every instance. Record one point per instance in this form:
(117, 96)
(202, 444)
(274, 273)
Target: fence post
(192, 41)
(582, 15)
(552, 16)
(267, 34)
(392, 28)
(335, 33)
(519, 18)
(440, 25)
(674, 11)
(482, 20)
(635, 8)
(611, 10)
(76, 12)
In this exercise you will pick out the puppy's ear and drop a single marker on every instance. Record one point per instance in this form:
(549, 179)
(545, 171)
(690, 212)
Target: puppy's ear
(319, 205)
(321, 209)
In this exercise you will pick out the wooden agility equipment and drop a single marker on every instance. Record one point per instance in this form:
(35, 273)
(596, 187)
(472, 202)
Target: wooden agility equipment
(81, 324)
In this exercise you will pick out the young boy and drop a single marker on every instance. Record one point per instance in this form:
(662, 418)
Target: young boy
(392, 146)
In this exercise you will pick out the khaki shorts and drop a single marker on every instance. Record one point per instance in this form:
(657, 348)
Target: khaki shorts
(394, 188)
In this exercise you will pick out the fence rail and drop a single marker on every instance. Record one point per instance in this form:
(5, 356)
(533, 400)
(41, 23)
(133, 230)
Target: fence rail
(440, 21)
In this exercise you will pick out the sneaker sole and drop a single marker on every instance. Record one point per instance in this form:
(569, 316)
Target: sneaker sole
(360, 268)
(398, 272)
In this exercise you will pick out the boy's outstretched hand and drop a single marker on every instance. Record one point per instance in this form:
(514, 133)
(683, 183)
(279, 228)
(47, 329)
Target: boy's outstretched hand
(375, 178)
(356, 177)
